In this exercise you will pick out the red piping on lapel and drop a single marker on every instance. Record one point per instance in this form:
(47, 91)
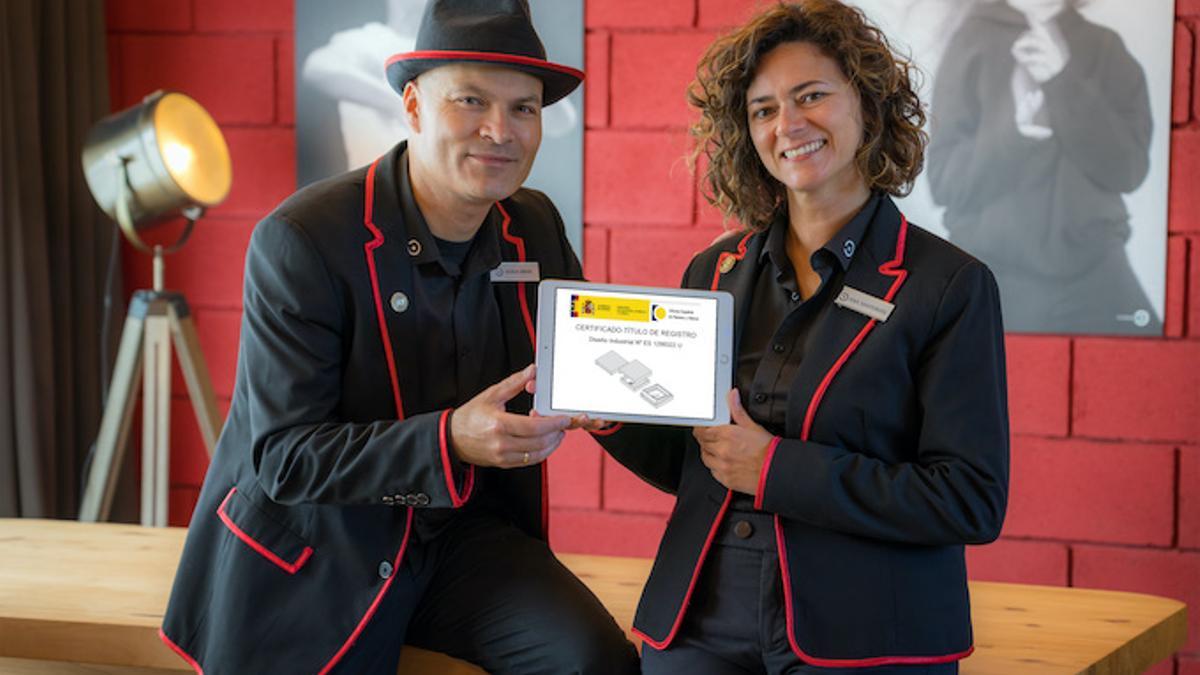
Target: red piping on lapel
(890, 268)
(712, 534)
(608, 431)
(762, 474)
(519, 243)
(289, 567)
(741, 253)
(456, 500)
(368, 220)
(375, 603)
(179, 650)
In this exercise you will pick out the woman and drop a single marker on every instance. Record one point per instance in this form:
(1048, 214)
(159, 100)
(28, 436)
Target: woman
(1042, 123)
(823, 530)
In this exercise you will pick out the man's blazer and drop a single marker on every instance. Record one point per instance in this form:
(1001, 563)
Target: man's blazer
(330, 450)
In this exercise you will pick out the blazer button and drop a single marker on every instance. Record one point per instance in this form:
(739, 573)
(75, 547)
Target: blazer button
(411, 500)
(743, 529)
(387, 499)
(422, 499)
(414, 247)
(385, 569)
(760, 398)
(399, 302)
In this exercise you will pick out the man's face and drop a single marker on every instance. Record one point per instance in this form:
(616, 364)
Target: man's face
(475, 130)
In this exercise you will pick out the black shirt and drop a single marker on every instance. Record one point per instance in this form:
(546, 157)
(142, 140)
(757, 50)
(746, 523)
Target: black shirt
(775, 338)
(462, 334)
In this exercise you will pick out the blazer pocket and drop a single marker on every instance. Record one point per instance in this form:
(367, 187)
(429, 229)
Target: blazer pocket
(262, 534)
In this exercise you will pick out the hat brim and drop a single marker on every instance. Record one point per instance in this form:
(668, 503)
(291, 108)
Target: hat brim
(557, 80)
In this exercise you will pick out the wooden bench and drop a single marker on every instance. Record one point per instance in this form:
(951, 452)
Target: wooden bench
(80, 599)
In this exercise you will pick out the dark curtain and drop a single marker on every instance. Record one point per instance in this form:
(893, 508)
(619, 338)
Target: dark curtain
(54, 252)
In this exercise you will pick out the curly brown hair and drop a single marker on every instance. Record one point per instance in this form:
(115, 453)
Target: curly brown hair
(893, 148)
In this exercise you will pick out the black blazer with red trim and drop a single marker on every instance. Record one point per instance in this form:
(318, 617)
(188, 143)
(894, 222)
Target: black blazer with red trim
(282, 565)
(895, 455)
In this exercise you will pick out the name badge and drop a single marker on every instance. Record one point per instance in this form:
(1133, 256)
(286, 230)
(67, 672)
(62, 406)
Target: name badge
(865, 304)
(517, 271)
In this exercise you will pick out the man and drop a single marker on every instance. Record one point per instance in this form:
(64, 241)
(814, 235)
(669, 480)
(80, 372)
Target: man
(378, 482)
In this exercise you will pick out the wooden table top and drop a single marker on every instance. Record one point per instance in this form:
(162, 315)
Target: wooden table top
(96, 592)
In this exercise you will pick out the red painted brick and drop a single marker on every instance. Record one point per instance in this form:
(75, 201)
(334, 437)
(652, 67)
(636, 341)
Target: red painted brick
(636, 177)
(575, 473)
(624, 491)
(650, 76)
(189, 457)
(729, 13)
(1137, 389)
(1193, 300)
(208, 270)
(238, 15)
(655, 257)
(1016, 561)
(595, 85)
(264, 171)
(1079, 490)
(1181, 95)
(285, 80)
(1189, 497)
(232, 77)
(181, 502)
(1039, 383)
(1184, 213)
(139, 15)
(605, 533)
(1176, 306)
(639, 14)
(1189, 665)
(595, 254)
(1170, 574)
(1187, 7)
(217, 331)
(1164, 667)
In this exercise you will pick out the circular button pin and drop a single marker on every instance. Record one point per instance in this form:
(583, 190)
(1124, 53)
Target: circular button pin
(399, 302)
(385, 569)
(848, 248)
(778, 348)
(759, 398)
(795, 297)
(743, 529)
(727, 264)
(414, 247)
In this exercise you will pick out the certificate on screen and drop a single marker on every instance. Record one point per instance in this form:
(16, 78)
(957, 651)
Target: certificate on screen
(634, 354)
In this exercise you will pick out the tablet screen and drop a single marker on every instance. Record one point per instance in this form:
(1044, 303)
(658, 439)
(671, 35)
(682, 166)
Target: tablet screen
(634, 353)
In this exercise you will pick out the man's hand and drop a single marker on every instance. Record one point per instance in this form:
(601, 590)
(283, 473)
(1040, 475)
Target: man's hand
(735, 453)
(483, 433)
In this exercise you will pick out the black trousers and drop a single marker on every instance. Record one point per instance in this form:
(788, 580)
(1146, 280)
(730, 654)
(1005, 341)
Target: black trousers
(485, 592)
(736, 624)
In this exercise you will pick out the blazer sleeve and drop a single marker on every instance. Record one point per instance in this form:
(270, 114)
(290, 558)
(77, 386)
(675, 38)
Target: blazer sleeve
(291, 366)
(955, 489)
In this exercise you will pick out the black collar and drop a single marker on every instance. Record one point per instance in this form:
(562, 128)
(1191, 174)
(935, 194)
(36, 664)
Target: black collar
(841, 247)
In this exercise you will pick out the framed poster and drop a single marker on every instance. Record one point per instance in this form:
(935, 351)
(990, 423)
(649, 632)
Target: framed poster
(347, 115)
(1050, 130)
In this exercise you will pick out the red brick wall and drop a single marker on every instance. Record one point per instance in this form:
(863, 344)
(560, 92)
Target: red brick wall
(1106, 448)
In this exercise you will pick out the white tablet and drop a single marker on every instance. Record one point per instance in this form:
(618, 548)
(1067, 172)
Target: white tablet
(634, 354)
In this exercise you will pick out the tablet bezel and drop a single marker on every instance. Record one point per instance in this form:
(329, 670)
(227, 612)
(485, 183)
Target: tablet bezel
(722, 358)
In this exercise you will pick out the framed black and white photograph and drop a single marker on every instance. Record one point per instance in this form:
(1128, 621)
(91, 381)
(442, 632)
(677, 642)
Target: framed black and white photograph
(347, 115)
(1048, 160)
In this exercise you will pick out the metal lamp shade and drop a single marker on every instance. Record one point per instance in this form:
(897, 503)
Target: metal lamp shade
(169, 153)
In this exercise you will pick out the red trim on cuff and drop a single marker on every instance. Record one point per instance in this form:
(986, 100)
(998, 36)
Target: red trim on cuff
(456, 499)
(289, 567)
(609, 430)
(762, 474)
(179, 650)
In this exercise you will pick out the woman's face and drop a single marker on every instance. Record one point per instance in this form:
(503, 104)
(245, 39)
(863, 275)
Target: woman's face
(806, 121)
(1039, 10)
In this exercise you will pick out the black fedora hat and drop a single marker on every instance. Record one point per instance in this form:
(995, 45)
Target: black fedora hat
(496, 32)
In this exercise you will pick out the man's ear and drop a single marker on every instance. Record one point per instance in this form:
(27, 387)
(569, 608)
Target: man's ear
(412, 105)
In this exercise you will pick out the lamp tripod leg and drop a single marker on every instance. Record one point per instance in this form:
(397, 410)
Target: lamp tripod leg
(156, 416)
(195, 374)
(118, 414)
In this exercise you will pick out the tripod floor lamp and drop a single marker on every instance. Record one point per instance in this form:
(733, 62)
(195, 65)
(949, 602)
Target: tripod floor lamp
(162, 158)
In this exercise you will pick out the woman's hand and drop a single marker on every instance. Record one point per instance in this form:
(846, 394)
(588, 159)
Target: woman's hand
(735, 453)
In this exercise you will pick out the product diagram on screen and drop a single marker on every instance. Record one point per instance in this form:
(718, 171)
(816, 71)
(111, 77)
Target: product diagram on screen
(635, 375)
